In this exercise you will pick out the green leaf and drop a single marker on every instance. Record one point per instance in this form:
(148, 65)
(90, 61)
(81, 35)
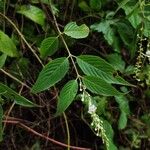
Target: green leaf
(106, 27)
(101, 105)
(67, 95)
(94, 62)
(52, 73)
(110, 134)
(1, 119)
(103, 26)
(135, 19)
(146, 11)
(123, 104)
(147, 28)
(126, 32)
(125, 111)
(98, 67)
(32, 12)
(48, 46)
(2, 4)
(84, 6)
(132, 10)
(75, 31)
(43, 1)
(11, 94)
(2, 60)
(7, 46)
(121, 4)
(108, 129)
(116, 61)
(95, 4)
(99, 86)
(129, 70)
(122, 122)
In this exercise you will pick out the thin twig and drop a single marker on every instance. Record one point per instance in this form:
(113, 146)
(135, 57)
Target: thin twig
(23, 38)
(14, 78)
(10, 109)
(68, 132)
(43, 136)
(65, 44)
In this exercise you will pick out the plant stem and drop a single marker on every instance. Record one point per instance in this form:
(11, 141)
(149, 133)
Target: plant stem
(66, 46)
(23, 38)
(78, 76)
(43, 136)
(68, 132)
(14, 78)
(10, 109)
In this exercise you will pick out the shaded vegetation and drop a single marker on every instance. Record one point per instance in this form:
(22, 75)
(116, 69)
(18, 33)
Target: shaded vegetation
(74, 74)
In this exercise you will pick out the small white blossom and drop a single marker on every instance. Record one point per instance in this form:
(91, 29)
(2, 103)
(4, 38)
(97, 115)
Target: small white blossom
(148, 55)
(97, 123)
(92, 109)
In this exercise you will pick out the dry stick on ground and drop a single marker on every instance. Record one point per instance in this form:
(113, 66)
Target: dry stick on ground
(43, 136)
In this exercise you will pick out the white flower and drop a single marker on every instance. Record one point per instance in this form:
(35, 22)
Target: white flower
(92, 109)
(148, 55)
